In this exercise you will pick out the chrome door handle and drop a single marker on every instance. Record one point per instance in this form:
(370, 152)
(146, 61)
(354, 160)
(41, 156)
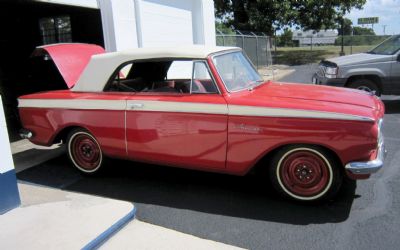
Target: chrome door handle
(135, 105)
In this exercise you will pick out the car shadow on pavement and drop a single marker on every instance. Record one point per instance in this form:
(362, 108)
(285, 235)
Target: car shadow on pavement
(30, 157)
(244, 197)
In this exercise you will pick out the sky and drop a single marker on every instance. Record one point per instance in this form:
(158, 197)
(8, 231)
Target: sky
(388, 12)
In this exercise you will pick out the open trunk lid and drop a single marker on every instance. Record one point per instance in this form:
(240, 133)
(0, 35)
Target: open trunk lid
(70, 58)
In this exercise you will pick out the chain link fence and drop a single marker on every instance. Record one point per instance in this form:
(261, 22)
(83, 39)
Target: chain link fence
(256, 46)
(312, 49)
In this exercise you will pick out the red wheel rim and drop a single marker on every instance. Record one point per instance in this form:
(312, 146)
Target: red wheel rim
(85, 152)
(304, 173)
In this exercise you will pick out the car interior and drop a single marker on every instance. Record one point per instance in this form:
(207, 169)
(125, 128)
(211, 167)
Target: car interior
(166, 76)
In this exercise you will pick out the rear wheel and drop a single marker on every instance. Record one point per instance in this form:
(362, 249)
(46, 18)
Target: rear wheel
(84, 151)
(366, 85)
(305, 173)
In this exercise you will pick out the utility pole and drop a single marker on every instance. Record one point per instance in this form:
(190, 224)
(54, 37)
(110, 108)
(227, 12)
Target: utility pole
(342, 24)
(351, 40)
(384, 29)
(342, 51)
(275, 40)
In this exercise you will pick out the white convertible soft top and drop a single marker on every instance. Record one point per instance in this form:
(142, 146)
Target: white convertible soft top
(100, 68)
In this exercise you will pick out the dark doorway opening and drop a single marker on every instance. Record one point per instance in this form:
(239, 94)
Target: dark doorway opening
(24, 25)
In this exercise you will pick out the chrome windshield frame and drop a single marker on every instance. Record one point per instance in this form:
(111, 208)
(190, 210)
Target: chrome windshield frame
(229, 52)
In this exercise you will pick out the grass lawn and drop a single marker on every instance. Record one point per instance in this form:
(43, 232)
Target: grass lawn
(304, 55)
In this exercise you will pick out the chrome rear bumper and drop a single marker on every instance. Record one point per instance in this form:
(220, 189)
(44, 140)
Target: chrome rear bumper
(25, 134)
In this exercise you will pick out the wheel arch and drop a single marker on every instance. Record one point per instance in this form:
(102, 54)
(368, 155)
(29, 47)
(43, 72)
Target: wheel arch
(372, 77)
(63, 133)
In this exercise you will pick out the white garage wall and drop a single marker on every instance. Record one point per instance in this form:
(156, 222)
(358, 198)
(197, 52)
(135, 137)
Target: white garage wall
(119, 24)
(208, 21)
(157, 23)
(166, 23)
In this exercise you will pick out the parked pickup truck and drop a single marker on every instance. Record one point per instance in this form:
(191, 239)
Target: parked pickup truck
(375, 71)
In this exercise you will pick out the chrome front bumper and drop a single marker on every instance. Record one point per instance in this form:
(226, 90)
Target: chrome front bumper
(369, 167)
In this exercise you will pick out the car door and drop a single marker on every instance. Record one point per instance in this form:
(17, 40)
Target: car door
(186, 128)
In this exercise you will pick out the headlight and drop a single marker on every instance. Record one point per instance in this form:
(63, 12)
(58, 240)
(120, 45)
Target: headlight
(331, 72)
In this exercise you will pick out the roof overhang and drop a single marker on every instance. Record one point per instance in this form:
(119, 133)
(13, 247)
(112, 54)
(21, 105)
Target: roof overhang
(92, 4)
(101, 67)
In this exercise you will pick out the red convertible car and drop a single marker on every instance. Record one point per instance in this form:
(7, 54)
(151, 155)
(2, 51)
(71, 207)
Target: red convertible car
(205, 108)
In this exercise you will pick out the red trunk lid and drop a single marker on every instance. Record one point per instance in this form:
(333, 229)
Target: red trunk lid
(70, 58)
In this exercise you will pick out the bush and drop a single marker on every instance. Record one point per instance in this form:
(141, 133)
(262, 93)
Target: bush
(300, 57)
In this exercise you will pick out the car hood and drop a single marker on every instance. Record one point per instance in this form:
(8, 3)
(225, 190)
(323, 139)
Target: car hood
(70, 58)
(311, 97)
(361, 58)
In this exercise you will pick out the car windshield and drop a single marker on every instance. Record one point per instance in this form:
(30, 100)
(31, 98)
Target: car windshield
(236, 71)
(388, 47)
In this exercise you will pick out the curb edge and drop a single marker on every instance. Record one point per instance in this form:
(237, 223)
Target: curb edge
(108, 233)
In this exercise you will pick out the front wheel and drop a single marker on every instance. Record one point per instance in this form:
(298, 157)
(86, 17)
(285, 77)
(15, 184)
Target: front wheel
(366, 85)
(84, 151)
(305, 173)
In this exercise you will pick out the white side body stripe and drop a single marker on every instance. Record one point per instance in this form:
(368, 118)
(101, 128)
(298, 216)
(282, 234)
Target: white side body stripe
(185, 107)
(73, 104)
(180, 107)
(291, 113)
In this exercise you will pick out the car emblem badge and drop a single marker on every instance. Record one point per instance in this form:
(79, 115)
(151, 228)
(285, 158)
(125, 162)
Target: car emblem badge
(248, 128)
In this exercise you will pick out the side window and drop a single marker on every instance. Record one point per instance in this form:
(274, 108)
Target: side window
(122, 82)
(163, 76)
(202, 81)
(123, 73)
(180, 70)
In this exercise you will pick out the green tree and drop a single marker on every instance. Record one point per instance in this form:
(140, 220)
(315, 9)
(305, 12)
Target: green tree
(285, 39)
(361, 31)
(346, 27)
(224, 28)
(268, 15)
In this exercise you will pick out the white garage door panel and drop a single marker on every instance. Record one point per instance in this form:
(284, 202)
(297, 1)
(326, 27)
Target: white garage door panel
(163, 24)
